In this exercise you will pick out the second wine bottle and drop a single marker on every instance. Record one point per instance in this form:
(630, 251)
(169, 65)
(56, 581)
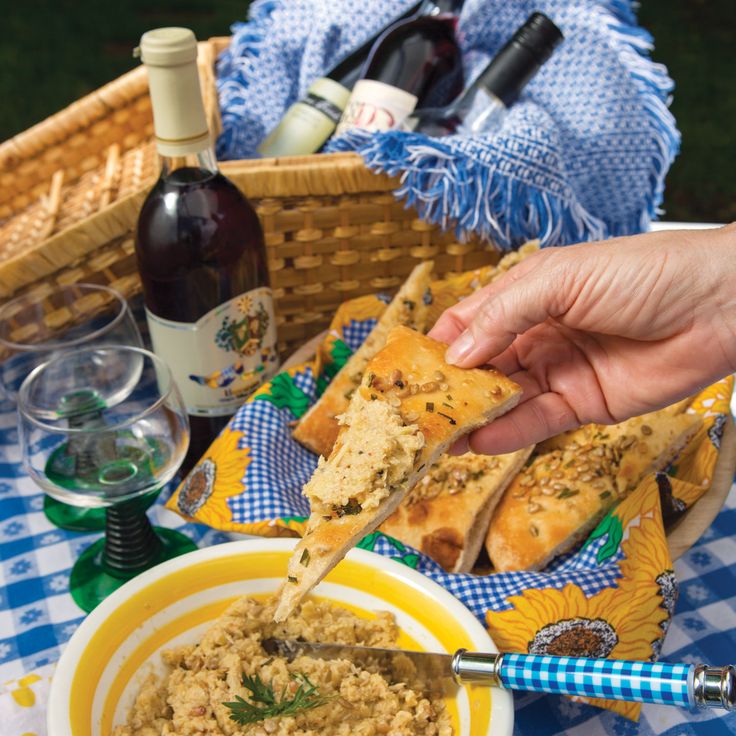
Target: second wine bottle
(417, 63)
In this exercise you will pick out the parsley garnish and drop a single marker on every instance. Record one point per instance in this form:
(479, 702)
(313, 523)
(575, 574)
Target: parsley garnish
(350, 508)
(305, 698)
(567, 493)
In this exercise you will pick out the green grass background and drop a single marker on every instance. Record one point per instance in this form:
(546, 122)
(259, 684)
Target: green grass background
(54, 51)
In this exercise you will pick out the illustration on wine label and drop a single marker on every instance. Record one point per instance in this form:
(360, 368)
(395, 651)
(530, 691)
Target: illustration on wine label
(230, 352)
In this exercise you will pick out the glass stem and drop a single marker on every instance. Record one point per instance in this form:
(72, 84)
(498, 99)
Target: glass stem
(131, 544)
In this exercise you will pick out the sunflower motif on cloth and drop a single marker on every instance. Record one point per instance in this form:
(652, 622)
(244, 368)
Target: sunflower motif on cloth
(568, 623)
(618, 623)
(691, 475)
(204, 493)
(648, 555)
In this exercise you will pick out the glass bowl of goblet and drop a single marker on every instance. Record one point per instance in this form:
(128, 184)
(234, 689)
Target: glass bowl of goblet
(106, 427)
(40, 325)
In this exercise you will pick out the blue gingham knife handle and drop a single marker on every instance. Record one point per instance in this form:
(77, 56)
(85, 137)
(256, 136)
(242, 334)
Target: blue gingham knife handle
(644, 682)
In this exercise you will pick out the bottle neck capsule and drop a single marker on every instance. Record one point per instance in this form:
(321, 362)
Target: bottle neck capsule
(179, 121)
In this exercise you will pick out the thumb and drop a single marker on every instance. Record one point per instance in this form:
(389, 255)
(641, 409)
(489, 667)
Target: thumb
(513, 307)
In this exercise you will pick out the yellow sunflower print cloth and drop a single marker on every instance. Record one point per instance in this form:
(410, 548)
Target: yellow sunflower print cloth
(614, 597)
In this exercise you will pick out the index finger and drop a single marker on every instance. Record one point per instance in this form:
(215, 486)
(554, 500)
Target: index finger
(455, 319)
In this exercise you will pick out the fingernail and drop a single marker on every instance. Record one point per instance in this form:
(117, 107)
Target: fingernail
(460, 447)
(460, 348)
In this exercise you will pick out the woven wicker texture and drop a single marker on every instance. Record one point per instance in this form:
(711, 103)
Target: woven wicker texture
(71, 188)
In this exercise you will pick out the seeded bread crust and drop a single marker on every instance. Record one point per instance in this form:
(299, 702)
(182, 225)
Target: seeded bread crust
(443, 401)
(318, 428)
(583, 435)
(555, 502)
(450, 525)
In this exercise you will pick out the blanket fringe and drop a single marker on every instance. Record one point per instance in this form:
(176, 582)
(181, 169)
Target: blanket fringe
(481, 200)
(242, 53)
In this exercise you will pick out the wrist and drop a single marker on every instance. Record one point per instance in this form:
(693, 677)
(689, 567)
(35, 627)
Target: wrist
(723, 270)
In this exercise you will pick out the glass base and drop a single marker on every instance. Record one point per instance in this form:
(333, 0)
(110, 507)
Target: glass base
(73, 518)
(91, 583)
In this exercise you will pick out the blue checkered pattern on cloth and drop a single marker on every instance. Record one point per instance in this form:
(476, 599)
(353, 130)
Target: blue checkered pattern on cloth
(581, 156)
(37, 613)
(279, 465)
(646, 682)
(356, 331)
(481, 593)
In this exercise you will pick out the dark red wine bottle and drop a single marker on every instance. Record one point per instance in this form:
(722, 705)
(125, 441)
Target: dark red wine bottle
(415, 63)
(201, 254)
(347, 71)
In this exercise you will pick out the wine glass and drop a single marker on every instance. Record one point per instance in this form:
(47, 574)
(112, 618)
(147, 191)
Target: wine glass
(106, 427)
(35, 328)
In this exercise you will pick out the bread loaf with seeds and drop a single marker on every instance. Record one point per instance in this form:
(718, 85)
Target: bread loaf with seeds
(446, 514)
(556, 501)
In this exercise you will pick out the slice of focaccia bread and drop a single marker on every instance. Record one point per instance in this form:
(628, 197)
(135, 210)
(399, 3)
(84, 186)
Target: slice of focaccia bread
(588, 432)
(561, 496)
(446, 514)
(409, 408)
(649, 443)
(318, 428)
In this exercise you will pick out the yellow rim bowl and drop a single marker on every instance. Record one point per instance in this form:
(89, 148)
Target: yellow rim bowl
(120, 642)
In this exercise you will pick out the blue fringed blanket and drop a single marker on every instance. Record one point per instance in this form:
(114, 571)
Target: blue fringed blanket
(581, 156)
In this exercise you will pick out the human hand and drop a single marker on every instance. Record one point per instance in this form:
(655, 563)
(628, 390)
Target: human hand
(600, 332)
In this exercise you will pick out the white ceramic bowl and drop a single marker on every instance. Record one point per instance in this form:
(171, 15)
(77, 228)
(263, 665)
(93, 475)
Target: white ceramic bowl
(121, 640)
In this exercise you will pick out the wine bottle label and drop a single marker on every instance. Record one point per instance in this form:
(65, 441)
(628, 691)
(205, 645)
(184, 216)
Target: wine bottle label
(332, 112)
(218, 361)
(308, 123)
(376, 106)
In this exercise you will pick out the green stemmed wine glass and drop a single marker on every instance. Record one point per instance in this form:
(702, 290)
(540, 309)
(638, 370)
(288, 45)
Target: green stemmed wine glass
(106, 428)
(37, 327)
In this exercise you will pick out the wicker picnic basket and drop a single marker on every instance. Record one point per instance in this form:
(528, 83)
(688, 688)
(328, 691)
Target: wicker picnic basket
(71, 188)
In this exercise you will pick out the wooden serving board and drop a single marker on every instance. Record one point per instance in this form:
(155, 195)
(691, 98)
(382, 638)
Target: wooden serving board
(690, 526)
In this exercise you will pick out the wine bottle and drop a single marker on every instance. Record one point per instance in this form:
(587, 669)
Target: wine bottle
(481, 107)
(416, 63)
(201, 253)
(308, 123)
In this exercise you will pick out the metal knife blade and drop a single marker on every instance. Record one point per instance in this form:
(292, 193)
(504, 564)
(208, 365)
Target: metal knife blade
(431, 671)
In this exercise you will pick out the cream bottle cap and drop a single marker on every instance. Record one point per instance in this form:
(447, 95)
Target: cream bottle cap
(170, 55)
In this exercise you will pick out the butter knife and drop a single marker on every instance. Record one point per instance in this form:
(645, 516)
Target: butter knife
(684, 685)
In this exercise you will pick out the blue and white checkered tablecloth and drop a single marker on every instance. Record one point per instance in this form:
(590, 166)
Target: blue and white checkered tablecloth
(38, 615)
